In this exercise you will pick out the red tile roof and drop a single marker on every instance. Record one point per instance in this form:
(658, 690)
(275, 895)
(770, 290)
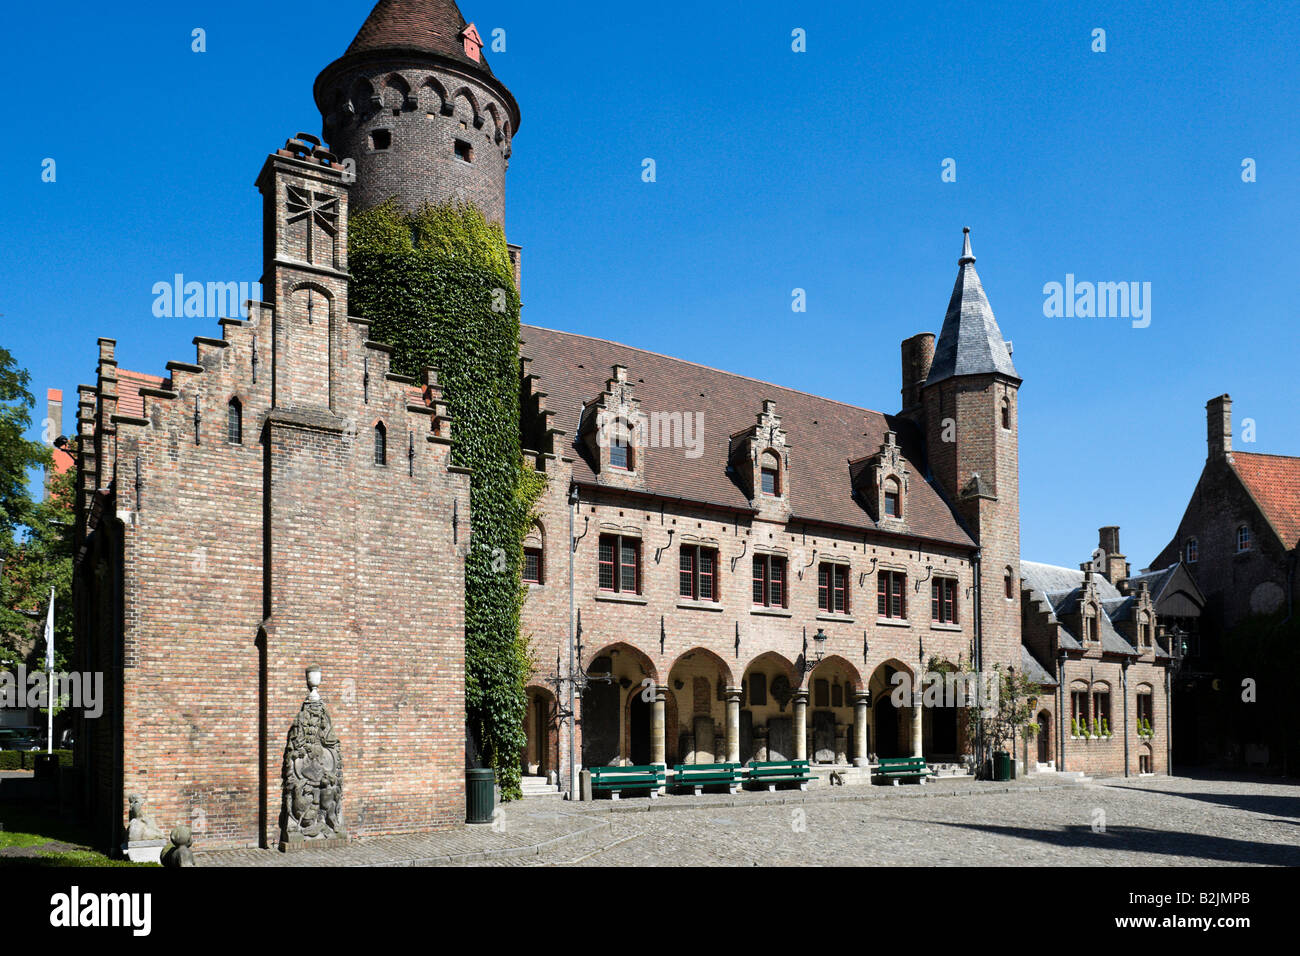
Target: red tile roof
(1274, 480)
(129, 399)
(823, 435)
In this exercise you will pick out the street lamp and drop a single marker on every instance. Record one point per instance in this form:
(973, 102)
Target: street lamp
(819, 650)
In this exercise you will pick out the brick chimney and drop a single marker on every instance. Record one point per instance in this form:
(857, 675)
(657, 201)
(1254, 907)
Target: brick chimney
(918, 354)
(54, 411)
(1116, 566)
(1218, 427)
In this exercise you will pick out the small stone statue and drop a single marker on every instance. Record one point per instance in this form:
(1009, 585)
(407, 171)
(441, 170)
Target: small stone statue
(179, 852)
(140, 827)
(312, 773)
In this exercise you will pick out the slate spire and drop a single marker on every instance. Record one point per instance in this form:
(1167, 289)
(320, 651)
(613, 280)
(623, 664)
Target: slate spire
(971, 342)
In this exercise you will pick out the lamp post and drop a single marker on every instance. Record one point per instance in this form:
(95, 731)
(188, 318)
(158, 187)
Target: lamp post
(819, 649)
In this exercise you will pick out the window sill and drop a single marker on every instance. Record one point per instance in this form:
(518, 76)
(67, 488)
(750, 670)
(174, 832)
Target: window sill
(770, 612)
(688, 605)
(842, 618)
(534, 584)
(619, 597)
(945, 627)
(893, 622)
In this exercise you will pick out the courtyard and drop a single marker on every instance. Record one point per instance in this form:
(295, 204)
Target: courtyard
(1150, 821)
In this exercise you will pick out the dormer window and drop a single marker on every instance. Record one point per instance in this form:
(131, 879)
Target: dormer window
(620, 455)
(1243, 539)
(893, 500)
(771, 474)
(1193, 550)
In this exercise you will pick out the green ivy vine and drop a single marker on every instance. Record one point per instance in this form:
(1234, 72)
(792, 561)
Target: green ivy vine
(438, 286)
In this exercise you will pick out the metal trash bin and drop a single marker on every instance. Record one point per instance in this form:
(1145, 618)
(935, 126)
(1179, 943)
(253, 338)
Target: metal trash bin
(480, 795)
(1001, 765)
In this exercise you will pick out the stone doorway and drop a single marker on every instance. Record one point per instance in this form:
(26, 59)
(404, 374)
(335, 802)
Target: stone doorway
(600, 719)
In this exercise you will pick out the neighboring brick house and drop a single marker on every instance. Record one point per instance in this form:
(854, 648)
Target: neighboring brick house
(1092, 638)
(1238, 539)
(723, 525)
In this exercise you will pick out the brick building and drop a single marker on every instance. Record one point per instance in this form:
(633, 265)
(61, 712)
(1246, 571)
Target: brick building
(1093, 639)
(753, 566)
(1238, 540)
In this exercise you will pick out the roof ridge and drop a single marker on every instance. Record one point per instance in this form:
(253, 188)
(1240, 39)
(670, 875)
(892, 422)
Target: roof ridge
(710, 368)
(1266, 454)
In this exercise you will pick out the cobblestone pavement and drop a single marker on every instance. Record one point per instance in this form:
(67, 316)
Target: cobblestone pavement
(528, 829)
(1155, 821)
(1040, 821)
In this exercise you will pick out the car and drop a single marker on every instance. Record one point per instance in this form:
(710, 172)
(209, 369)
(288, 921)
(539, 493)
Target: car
(17, 739)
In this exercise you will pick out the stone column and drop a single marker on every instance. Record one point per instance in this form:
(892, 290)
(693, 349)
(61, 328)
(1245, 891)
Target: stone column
(917, 711)
(860, 729)
(801, 725)
(658, 743)
(733, 725)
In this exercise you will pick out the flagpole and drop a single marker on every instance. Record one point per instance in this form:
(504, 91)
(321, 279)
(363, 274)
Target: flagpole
(49, 676)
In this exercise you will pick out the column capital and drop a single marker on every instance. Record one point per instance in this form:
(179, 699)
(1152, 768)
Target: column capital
(801, 696)
(861, 697)
(732, 692)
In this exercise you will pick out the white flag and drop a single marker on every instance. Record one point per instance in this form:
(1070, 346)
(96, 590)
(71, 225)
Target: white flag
(49, 635)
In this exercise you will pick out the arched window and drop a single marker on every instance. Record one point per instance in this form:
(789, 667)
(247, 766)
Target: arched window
(1243, 538)
(770, 474)
(1006, 413)
(893, 499)
(1008, 584)
(381, 444)
(234, 423)
(534, 567)
(1193, 550)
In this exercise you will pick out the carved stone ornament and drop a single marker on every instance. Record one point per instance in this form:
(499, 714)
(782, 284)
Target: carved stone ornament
(312, 774)
(140, 828)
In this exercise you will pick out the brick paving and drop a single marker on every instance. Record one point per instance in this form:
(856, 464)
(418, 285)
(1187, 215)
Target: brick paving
(1040, 821)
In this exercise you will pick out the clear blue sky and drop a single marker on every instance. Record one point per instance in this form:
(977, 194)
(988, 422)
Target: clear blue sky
(776, 170)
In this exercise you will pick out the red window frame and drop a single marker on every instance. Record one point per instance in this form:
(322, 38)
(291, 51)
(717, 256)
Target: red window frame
(698, 573)
(769, 581)
(833, 588)
(943, 600)
(618, 555)
(891, 592)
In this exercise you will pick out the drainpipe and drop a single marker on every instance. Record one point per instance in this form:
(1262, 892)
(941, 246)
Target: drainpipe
(574, 791)
(1060, 711)
(979, 662)
(1169, 725)
(1123, 681)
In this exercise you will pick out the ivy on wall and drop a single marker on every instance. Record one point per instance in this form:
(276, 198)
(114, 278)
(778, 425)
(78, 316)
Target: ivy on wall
(438, 286)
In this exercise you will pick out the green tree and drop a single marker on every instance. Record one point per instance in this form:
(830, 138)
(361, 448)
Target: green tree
(36, 536)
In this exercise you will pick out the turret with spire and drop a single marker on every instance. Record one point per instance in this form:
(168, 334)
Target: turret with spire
(967, 404)
(418, 112)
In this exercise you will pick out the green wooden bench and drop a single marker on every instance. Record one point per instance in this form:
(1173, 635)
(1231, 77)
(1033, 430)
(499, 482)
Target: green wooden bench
(695, 776)
(895, 769)
(616, 780)
(770, 773)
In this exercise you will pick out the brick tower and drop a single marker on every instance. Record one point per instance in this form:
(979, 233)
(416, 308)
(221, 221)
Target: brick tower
(969, 401)
(415, 107)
